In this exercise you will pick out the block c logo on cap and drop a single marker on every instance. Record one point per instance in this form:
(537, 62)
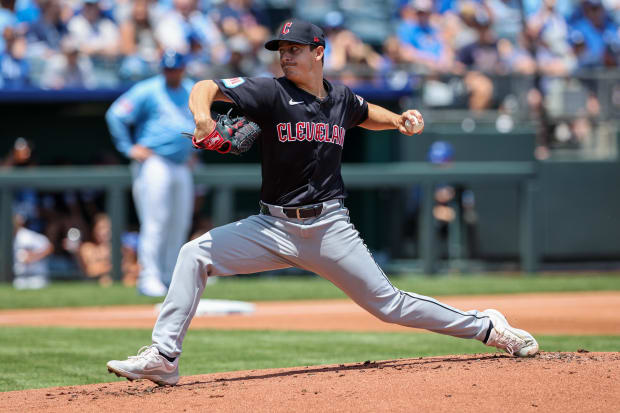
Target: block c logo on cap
(286, 28)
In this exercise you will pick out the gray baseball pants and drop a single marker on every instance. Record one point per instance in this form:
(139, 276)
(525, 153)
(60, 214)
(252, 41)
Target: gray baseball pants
(328, 245)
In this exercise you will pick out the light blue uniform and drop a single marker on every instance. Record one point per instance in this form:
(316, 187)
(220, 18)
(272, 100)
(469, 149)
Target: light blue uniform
(154, 115)
(158, 114)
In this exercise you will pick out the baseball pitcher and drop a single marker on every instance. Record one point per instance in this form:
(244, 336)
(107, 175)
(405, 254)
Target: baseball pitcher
(303, 120)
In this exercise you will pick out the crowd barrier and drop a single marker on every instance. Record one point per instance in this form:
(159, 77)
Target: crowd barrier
(225, 179)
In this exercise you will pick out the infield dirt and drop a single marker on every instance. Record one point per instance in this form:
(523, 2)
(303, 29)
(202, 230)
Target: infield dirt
(590, 313)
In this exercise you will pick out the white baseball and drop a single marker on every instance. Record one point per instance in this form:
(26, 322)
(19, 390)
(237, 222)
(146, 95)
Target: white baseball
(415, 127)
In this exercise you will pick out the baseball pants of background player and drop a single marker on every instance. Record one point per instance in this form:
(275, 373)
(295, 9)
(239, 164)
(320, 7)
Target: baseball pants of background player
(164, 197)
(328, 245)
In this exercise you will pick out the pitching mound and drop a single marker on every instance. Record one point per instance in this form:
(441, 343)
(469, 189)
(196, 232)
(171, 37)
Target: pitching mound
(562, 382)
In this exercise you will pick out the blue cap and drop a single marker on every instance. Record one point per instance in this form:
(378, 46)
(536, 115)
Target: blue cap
(171, 59)
(440, 152)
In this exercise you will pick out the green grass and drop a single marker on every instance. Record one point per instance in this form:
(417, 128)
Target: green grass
(64, 294)
(43, 357)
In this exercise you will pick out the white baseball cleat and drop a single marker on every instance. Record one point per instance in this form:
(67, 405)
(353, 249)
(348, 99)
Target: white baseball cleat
(505, 337)
(148, 364)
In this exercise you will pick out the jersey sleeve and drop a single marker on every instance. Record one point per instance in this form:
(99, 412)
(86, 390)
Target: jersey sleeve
(124, 113)
(254, 96)
(356, 109)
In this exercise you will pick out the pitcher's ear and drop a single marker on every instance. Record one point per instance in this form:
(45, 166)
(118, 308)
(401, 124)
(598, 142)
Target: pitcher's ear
(320, 52)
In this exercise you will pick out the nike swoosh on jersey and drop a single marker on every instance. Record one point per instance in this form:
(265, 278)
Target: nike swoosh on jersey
(292, 102)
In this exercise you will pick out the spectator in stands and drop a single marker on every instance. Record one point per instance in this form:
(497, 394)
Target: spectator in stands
(452, 23)
(44, 34)
(351, 59)
(234, 16)
(184, 23)
(139, 45)
(462, 28)
(506, 16)
(30, 252)
(7, 19)
(592, 34)
(480, 57)
(242, 61)
(20, 154)
(548, 29)
(26, 200)
(422, 42)
(63, 215)
(14, 68)
(199, 62)
(95, 254)
(97, 34)
(518, 58)
(69, 69)
(394, 71)
(257, 35)
(486, 57)
(333, 24)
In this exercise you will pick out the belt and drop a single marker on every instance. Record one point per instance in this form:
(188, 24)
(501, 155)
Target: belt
(302, 212)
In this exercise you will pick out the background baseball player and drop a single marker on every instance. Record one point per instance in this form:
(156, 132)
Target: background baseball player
(302, 220)
(156, 110)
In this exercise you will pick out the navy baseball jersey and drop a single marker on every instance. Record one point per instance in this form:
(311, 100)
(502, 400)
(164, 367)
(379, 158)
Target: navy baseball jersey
(302, 136)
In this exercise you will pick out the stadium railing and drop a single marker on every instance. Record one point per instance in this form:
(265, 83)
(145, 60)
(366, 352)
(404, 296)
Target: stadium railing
(225, 179)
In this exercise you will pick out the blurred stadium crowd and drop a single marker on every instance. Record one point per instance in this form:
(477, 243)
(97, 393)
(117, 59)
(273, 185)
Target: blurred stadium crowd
(539, 58)
(57, 44)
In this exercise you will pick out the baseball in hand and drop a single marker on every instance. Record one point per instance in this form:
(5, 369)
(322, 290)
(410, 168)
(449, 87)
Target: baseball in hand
(415, 127)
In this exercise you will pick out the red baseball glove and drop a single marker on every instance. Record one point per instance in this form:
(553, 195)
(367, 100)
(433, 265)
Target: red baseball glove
(231, 135)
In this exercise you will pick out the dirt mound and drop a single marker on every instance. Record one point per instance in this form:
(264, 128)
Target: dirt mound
(563, 382)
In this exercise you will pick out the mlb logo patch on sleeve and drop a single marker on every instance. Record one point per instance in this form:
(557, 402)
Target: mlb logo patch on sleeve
(360, 99)
(124, 107)
(233, 82)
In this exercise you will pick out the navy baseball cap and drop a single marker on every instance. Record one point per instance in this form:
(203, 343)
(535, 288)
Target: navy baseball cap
(171, 59)
(298, 31)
